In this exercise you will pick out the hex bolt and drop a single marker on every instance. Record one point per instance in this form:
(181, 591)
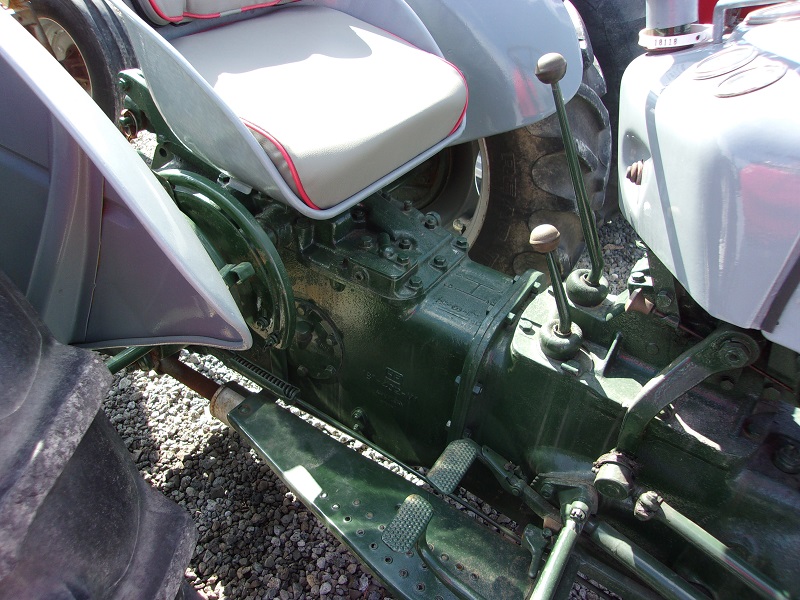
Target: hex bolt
(638, 277)
(547, 490)
(407, 205)
(734, 354)
(404, 244)
(430, 222)
(663, 300)
(526, 325)
(366, 242)
(415, 283)
(462, 243)
(403, 259)
(439, 262)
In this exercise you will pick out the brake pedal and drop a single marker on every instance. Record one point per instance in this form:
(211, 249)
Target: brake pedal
(452, 465)
(408, 524)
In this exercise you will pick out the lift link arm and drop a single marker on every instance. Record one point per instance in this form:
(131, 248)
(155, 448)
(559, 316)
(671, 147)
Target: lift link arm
(723, 350)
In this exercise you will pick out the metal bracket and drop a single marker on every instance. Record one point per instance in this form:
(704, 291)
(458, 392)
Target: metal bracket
(723, 350)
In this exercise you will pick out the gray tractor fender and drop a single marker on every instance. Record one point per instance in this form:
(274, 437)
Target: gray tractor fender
(497, 45)
(89, 234)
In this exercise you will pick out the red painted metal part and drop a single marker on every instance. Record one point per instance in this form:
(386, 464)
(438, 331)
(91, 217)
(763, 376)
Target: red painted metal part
(706, 10)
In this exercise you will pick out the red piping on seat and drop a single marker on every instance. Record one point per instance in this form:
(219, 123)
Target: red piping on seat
(466, 100)
(188, 15)
(185, 15)
(292, 169)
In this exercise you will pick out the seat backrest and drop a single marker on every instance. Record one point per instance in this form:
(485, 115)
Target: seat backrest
(162, 12)
(215, 134)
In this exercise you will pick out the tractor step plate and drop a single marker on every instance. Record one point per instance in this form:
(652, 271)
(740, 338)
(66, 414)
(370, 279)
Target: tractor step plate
(357, 499)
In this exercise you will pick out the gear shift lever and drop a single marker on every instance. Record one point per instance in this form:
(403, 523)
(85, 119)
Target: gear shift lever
(560, 338)
(584, 287)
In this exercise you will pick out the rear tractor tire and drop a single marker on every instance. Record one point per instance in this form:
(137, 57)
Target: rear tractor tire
(91, 44)
(530, 182)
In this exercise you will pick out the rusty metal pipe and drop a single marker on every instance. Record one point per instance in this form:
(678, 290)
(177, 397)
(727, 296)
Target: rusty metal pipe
(187, 376)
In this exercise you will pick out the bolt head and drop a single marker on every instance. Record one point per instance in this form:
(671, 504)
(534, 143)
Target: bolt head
(787, 458)
(551, 68)
(735, 354)
(526, 325)
(663, 300)
(544, 238)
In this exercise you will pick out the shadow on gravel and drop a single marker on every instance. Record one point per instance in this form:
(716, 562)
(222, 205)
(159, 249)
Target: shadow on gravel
(255, 540)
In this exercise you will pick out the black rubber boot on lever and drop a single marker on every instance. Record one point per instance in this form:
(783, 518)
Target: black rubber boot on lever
(584, 287)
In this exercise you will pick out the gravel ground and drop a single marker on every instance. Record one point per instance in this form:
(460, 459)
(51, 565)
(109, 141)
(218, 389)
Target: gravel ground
(256, 540)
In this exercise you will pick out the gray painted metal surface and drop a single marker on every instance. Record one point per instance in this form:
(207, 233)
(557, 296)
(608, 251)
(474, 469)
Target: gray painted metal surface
(88, 233)
(496, 45)
(662, 14)
(718, 130)
(219, 137)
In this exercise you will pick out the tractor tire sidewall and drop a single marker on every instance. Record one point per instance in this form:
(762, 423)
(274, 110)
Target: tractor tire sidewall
(102, 41)
(613, 27)
(531, 185)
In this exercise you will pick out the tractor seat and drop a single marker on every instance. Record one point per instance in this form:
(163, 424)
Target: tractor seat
(334, 108)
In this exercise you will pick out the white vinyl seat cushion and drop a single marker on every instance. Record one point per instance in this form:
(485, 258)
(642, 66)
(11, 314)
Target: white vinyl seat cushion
(336, 103)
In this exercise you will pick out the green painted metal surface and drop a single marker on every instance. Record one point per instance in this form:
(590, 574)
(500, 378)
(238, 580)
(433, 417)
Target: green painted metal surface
(357, 498)
(393, 331)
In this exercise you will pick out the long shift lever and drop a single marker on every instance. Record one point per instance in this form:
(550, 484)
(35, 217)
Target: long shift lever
(584, 287)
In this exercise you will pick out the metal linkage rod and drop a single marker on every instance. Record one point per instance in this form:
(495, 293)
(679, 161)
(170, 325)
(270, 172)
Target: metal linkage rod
(187, 376)
(547, 583)
(641, 563)
(720, 553)
(127, 357)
